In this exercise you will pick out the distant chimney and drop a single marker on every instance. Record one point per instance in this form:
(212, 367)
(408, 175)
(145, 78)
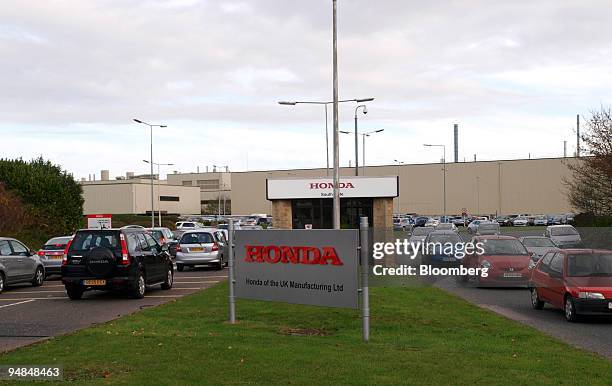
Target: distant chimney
(129, 175)
(456, 129)
(214, 169)
(474, 157)
(206, 168)
(198, 168)
(104, 175)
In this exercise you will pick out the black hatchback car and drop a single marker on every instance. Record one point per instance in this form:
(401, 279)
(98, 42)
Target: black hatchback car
(126, 259)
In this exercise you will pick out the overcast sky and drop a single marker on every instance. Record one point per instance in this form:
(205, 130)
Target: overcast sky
(513, 74)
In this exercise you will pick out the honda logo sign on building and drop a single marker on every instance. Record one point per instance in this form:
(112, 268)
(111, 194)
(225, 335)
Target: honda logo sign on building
(316, 267)
(99, 221)
(353, 187)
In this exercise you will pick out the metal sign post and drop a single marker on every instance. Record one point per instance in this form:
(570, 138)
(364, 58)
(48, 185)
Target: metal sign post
(365, 270)
(232, 297)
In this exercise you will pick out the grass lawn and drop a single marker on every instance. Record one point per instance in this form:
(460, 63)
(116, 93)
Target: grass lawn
(419, 336)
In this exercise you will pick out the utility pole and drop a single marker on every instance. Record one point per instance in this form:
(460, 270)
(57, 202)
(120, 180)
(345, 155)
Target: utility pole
(577, 135)
(336, 179)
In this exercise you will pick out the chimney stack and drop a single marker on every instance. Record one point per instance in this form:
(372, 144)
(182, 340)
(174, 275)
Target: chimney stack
(104, 175)
(456, 129)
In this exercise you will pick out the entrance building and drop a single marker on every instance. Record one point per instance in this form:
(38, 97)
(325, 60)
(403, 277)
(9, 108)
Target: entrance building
(307, 203)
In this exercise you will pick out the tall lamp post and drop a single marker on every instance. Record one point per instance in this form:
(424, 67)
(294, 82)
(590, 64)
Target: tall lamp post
(159, 216)
(293, 103)
(363, 136)
(444, 172)
(151, 126)
(220, 188)
(399, 163)
(365, 111)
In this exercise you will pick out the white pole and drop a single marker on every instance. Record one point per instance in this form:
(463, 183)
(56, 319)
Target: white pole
(232, 281)
(365, 270)
(336, 202)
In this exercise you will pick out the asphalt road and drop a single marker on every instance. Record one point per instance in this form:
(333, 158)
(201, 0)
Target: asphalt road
(593, 334)
(30, 314)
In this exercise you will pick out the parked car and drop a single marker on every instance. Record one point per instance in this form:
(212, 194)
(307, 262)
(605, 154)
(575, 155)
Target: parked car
(564, 236)
(458, 221)
(420, 234)
(420, 221)
(473, 226)
(579, 281)
(187, 225)
(19, 264)
(52, 253)
(447, 226)
(520, 222)
(537, 245)
(432, 222)
(161, 235)
(441, 248)
(503, 221)
(199, 247)
(126, 259)
(506, 259)
(540, 221)
(487, 228)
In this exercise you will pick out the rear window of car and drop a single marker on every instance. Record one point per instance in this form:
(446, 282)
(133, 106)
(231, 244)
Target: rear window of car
(504, 247)
(197, 238)
(84, 241)
(563, 231)
(592, 264)
(56, 243)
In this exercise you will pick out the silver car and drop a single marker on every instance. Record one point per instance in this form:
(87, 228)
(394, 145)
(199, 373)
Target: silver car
(200, 247)
(19, 264)
(564, 236)
(52, 253)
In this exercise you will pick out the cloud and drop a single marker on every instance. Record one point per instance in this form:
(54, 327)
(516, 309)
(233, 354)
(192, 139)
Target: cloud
(513, 72)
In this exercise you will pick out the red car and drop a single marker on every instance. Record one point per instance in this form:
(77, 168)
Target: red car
(576, 280)
(506, 259)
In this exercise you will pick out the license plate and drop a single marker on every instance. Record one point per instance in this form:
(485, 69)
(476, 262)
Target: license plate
(610, 305)
(513, 274)
(94, 282)
(196, 249)
(55, 257)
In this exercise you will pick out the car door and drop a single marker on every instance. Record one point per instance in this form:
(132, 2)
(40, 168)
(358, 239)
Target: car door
(9, 262)
(158, 267)
(541, 279)
(147, 258)
(25, 265)
(555, 286)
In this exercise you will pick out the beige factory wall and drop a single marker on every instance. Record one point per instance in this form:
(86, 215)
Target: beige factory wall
(108, 199)
(507, 187)
(189, 199)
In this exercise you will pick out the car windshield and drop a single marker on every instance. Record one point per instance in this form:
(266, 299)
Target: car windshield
(592, 264)
(84, 241)
(504, 247)
(422, 231)
(538, 242)
(197, 238)
(188, 225)
(56, 243)
(563, 231)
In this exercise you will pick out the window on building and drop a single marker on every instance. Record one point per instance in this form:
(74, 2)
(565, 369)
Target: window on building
(209, 184)
(169, 198)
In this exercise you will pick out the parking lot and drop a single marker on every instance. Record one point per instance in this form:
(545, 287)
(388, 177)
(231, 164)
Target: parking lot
(29, 314)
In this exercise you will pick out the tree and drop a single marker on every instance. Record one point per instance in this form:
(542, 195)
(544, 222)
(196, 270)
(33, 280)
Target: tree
(590, 187)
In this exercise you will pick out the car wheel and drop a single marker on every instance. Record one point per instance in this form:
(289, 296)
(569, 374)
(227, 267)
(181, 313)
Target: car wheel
(1, 282)
(139, 286)
(75, 292)
(39, 277)
(166, 285)
(570, 310)
(536, 303)
(179, 267)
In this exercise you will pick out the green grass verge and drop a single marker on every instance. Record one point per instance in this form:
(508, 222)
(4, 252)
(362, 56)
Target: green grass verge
(419, 336)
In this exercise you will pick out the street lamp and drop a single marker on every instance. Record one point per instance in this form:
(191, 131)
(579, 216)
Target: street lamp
(444, 172)
(159, 221)
(293, 103)
(152, 196)
(363, 135)
(398, 172)
(365, 111)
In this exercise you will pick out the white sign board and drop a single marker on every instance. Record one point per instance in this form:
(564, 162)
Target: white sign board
(287, 189)
(99, 221)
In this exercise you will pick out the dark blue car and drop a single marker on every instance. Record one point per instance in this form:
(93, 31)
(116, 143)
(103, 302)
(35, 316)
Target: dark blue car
(440, 248)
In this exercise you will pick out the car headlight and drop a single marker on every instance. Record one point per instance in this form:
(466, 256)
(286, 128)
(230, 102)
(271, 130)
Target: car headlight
(590, 295)
(485, 264)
